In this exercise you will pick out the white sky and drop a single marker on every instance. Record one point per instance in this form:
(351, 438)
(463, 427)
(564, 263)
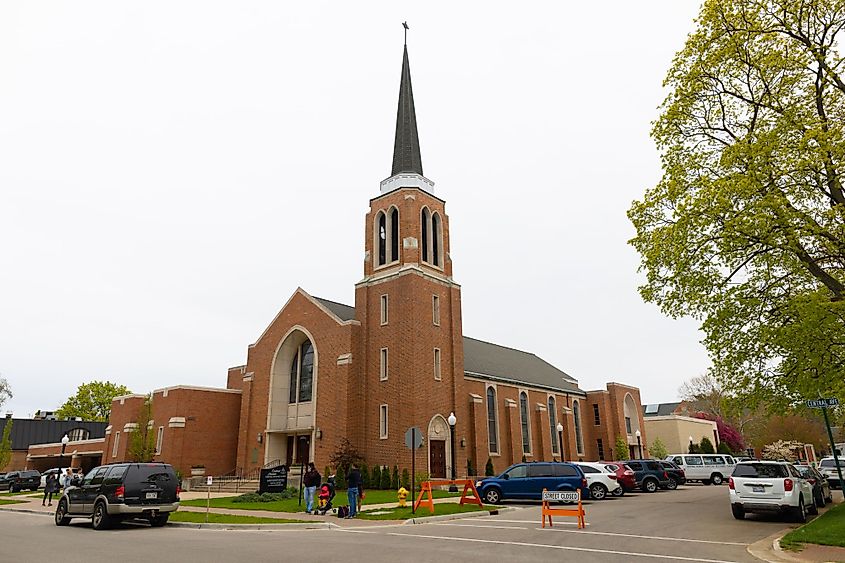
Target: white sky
(170, 172)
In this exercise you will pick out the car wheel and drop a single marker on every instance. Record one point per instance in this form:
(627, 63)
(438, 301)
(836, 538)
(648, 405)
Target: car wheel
(738, 511)
(820, 502)
(618, 492)
(492, 496)
(12, 489)
(801, 511)
(813, 509)
(598, 491)
(159, 520)
(672, 484)
(716, 479)
(705, 481)
(100, 519)
(650, 485)
(61, 511)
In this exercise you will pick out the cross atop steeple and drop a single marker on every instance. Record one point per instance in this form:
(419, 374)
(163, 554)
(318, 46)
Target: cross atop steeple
(406, 147)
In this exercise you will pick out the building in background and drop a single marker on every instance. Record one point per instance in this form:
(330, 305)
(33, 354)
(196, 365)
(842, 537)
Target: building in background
(677, 430)
(34, 441)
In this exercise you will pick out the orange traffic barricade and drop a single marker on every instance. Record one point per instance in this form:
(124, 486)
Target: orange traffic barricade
(469, 487)
(565, 496)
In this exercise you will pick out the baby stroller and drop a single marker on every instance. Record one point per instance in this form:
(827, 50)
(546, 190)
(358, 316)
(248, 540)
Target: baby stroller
(327, 492)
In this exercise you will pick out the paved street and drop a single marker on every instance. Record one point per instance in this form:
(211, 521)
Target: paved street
(691, 524)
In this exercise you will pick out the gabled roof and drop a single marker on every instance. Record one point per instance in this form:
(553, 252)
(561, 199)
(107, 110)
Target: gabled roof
(344, 312)
(661, 409)
(27, 432)
(488, 360)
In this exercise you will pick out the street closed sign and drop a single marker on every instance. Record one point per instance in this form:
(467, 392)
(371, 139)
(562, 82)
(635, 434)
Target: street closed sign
(561, 496)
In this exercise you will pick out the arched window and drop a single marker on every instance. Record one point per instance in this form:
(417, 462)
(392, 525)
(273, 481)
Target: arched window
(492, 423)
(424, 219)
(553, 425)
(579, 439)
(381, 237)
(435, 240)
(523, 414)
(302, 373)
(394, 235)
(78, 434)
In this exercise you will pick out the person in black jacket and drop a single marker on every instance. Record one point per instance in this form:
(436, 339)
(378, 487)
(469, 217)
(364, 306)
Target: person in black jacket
(51, 486)
(311, 480)
(354, 487)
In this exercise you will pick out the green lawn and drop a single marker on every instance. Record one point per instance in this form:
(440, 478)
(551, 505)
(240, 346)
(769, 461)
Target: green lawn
(405, 513)
(292, 504)
(215, 518)
(827, 529)
(10, 501)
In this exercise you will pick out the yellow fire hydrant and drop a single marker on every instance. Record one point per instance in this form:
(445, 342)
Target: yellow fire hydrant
(402, 493)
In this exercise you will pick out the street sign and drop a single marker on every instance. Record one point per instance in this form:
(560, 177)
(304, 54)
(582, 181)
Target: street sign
(822, 403)
(413, 438)
(561, 496)
(209, 480)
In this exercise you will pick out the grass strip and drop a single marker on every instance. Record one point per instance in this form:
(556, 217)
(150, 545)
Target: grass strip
(10, 501)
(292, 504)
(217, 518)
(827, 529)
(405, 513)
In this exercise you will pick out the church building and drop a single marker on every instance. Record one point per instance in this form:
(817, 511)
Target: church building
(323, 372)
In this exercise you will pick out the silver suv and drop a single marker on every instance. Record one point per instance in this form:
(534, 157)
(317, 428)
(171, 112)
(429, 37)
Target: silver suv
(827, 467)
(770, 486)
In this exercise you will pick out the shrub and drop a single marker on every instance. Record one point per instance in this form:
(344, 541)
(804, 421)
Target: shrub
(394, 479)
(621, 449)
(375, 479)
(290, 492)
(344, 455)
(723, 448)
(385, 478)
(470, 468)
(365, 476)
(340, 480)
(488, 469)
(406, 479)
(707, 446)
(421, 477)
(658, 449)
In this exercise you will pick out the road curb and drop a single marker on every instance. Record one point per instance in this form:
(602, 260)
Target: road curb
(254, 527)
(769, 549)
(458, 516)
(10, 508)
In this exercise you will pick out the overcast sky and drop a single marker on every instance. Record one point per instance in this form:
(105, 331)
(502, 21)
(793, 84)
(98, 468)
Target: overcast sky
(170, 172)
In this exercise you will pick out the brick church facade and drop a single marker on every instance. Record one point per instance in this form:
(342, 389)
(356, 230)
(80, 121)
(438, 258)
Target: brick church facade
(323, 371)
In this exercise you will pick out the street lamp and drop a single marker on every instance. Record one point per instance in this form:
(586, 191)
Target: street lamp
(690, 444)
(639, 444)
(560, 440)
(452, 421)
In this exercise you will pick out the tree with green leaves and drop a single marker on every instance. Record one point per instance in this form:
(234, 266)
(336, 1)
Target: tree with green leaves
(142, 440)
(92, 401)
(375, 480)
(658, 449)
(621, 453)
(394, 479)
(746, 229)
(5, 392)
(488, 468)
(706, 446)
(6, 444)
(385, 478)
(343, 456)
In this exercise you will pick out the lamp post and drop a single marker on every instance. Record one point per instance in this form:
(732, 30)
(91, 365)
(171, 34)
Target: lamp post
(560, 440)
(639, 444)
(65, 440)
(452, 420)
(690, 444)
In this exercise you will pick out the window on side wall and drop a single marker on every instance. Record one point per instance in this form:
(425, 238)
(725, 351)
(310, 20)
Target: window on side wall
(383, 367)
(382, 427)
(384, 303)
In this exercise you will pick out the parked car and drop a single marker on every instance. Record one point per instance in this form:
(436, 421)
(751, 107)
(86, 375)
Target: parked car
(110, 493)
(827, 467)
(770, 486)
(16, 481)
(821, 487)
(600, 480)
(624, 476)
(527, 481)
(677, 476)
(649, 474)
(707, 468)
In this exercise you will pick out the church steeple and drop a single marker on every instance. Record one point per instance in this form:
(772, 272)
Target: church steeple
(406, 147)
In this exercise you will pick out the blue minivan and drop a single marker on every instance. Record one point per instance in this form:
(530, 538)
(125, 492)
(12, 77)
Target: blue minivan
(526, 481)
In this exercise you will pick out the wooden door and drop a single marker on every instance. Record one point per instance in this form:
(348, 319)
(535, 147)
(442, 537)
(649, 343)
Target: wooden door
(437, 459)
(289, 451)
(303, 449)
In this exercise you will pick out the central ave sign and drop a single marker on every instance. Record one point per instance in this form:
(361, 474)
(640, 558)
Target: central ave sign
(822, 403)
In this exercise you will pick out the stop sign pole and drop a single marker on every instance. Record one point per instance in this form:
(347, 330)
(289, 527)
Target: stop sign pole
(413, 440)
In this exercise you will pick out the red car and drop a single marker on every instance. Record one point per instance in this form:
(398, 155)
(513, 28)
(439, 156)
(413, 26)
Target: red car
(624, 475)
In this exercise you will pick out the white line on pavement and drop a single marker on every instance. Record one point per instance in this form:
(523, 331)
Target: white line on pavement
(548, 546)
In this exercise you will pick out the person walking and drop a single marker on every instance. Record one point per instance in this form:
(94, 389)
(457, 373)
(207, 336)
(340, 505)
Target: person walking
(67, 478)
(353, 485)
(51, 486)
(311, 480)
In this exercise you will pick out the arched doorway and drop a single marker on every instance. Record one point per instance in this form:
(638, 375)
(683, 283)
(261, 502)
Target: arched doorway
(632, 426)
(439, 448)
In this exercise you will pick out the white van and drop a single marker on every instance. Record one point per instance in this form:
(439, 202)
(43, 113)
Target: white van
(707, 468)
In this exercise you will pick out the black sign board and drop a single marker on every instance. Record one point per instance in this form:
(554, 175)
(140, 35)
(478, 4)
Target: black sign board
(273, 480)
(822, 403)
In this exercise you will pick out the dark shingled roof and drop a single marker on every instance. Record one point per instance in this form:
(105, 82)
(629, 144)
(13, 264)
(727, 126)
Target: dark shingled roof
(663, 409)
(27, 432)
(406, 147)
(345, 312)
(492, 361)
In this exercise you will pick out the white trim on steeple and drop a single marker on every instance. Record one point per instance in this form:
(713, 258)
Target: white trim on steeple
(407, 180)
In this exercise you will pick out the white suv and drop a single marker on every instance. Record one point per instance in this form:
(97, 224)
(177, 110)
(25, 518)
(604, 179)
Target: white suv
(770, 486)
(827, 467)
(600, 480)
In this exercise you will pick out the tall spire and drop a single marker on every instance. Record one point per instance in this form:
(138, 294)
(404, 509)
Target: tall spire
(406, 147)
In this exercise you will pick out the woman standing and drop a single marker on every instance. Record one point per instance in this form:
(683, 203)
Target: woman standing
(311, 480)
(51, 486)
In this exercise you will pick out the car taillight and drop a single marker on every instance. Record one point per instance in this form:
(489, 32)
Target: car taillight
(787, 485)
(731, 483)
(119, 492)
(628, 472)
(178, 490)
(612, 476)
(812, 481)
(665, 475)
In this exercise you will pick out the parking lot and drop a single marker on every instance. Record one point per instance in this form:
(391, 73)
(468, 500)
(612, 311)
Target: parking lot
(693, 523)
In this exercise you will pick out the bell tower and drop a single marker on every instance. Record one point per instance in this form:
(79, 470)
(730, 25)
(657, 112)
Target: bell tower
(410, 349)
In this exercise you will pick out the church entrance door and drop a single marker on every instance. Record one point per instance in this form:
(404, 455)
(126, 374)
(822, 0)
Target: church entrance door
(437, 461)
